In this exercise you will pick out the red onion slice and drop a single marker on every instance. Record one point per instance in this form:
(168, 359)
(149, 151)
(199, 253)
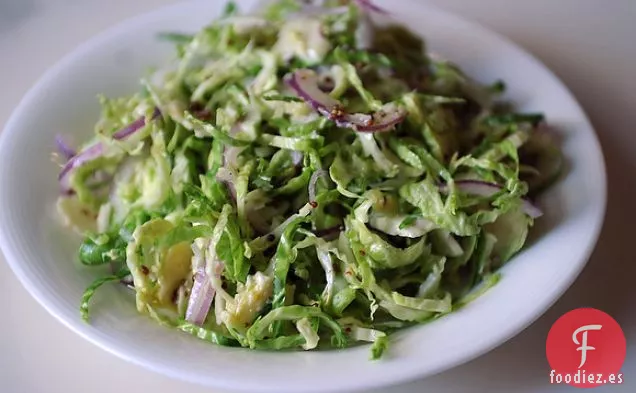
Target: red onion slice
(357, 118)
(134, 126)
(531, 209)
(482, 188)
(86, 155)
(383, 120)
(200, 299)
(63, 148)
(305, 84)
(96, 150)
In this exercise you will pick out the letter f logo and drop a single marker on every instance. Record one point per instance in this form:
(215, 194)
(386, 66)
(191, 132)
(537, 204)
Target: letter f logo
(583, 344)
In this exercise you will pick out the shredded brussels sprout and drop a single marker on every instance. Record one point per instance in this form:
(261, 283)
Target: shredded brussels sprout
(305, 179)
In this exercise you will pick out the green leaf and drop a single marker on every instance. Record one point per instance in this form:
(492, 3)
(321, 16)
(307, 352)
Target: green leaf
(135, 218)
(407, 155)
(208, 335)
(303, 129)
(355, 81)
(445, 244)
(379, 347)
(426, 196)
(371, 148)
(342, 299)
(90, 291)
(415, 155)
(278, 343)
(293, 313)
(510, 231)
(482, 259)
(209, 130)
(231, 250)
(215, 158)
(204, 203)
(381, 254)
(467, 244)
(423, 304)
(408, 221)
(488, 282)
(513, 118)
(292, 143)
(92, 254)
(285, 255)
(279, 9)
(184, 233)
(230, 9)
(295, 184)
(242, 187)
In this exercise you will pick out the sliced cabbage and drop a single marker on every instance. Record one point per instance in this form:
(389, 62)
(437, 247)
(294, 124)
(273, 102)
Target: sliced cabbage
(206, 191)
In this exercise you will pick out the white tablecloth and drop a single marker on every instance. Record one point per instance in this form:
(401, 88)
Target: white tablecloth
(590, 44)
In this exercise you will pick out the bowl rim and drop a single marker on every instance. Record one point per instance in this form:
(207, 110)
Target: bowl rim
(12, 255)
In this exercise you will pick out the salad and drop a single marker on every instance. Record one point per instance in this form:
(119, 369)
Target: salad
(304, 178)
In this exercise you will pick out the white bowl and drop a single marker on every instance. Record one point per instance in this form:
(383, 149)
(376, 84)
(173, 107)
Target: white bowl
(42, 254)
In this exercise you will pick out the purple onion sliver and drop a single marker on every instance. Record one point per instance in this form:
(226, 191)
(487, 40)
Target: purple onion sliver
(88, 154)
(129, 129)
(134, 126)
(531, 209)
(304, 82)
(96, 150)
(382, 127)
(200, 299)
(354, 120)
(63, 148)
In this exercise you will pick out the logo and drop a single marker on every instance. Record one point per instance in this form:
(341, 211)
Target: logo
(586, 348)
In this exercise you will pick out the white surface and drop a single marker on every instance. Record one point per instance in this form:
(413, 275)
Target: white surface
(112, 65)
(586, 42)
